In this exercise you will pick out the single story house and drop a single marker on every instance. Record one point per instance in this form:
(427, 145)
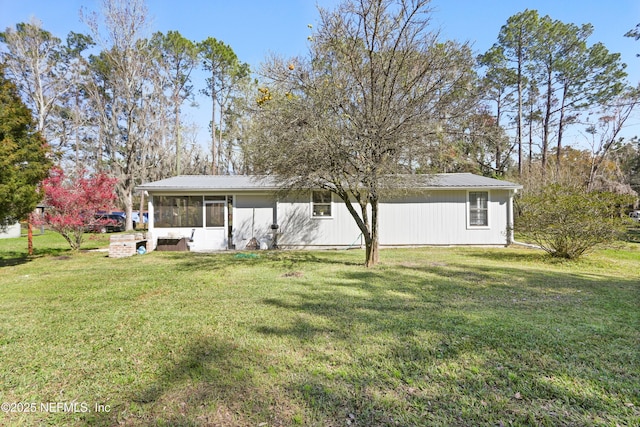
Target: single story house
(227, 212)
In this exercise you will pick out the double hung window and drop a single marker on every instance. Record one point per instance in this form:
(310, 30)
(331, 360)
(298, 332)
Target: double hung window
(321, 203)
(478, 203)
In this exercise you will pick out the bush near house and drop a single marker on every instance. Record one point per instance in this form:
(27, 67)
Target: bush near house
(566, 221)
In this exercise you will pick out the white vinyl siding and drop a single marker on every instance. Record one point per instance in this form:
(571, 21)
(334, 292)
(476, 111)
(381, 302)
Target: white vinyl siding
(253, 215)
(299, 228)
(440, 218)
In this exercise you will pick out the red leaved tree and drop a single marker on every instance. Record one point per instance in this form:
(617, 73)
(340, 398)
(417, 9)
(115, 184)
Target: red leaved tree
(72, 203)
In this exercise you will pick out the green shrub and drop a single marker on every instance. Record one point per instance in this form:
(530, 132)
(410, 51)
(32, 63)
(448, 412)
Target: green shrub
(566, 221)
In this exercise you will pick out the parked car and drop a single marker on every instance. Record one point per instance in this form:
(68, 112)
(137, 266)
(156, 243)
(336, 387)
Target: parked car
(108, 223)
(134, 216)
(635, 215)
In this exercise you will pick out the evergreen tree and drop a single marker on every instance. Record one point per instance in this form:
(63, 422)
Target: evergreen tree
(24, 161)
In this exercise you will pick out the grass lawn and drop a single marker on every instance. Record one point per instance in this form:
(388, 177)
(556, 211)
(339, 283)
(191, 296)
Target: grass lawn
(432, 336)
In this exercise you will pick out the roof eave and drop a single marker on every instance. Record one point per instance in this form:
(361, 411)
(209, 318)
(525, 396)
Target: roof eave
(254, 189)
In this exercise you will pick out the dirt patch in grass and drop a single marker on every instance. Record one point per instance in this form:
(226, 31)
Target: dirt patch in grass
(293, 274)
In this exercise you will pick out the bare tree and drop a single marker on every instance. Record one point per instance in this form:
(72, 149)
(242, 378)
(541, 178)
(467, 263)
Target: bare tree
(42, 68)
(605, 134)
(344, 119)
(237, 127)
(121, 91)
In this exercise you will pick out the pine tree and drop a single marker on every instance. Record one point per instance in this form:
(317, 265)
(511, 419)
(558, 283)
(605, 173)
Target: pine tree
(24, 160)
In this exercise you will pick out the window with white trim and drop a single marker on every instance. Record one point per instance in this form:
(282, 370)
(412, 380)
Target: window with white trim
(478, 204)
(320, 203)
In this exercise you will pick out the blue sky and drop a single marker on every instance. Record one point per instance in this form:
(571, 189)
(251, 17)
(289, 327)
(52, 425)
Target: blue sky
(253, 28)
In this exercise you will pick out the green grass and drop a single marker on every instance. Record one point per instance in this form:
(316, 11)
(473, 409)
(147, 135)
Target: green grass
(432, 336)
(14, 251)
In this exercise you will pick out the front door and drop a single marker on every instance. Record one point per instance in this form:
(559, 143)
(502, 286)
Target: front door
(215, 222)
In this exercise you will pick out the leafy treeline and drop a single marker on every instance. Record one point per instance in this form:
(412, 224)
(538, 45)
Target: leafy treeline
(544, 77)
(111, 100)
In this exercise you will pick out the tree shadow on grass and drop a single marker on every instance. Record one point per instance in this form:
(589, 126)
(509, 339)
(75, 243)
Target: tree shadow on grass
(478, 329)
(303, 331)
(187, 261)
(527, 255)
(397, 345)
(299, 257)
(13, 258)
(287, 259)
(211, 382)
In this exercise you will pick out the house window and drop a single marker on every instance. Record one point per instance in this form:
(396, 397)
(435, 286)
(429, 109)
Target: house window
(177, 211)
(478, 209)
(321, 203)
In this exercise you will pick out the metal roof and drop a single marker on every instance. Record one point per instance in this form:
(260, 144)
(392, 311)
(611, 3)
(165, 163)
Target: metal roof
(468, 180)
(185, 183)
(211, 182)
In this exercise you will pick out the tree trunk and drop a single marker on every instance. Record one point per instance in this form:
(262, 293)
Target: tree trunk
(530, 159)
(214, 165)
(519, 122)
(561, 129)
(29, 237)
(546, 124)
(220, 145)
(178, 138)
(498, 148)
(140, 215)
(366, 230)
(127, 200)
(129, 211)
(372, 250)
